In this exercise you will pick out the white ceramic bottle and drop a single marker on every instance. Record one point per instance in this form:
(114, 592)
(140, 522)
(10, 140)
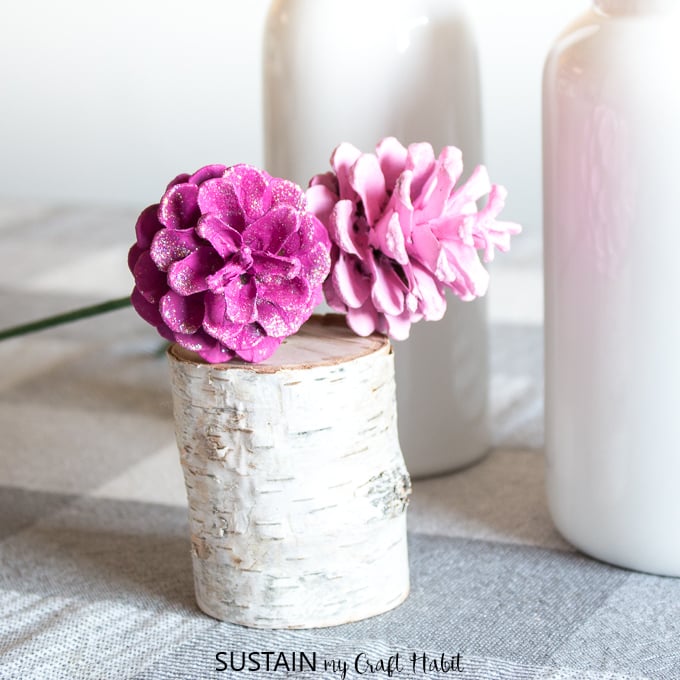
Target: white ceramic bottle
(358, 71)
(612, 242)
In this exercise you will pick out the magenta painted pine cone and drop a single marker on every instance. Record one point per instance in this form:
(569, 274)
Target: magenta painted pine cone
(229, 263)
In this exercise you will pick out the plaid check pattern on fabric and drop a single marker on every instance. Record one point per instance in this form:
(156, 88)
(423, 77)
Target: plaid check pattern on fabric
(95, 572)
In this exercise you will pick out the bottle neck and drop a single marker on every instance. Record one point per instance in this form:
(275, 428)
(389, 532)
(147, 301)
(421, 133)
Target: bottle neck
(628, 7)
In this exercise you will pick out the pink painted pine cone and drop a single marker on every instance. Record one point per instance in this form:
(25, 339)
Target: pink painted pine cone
(402, 233)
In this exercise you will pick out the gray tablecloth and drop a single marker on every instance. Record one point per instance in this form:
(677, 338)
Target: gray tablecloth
(95, 574)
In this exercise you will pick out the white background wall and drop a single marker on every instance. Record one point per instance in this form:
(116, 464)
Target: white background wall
(105, 101)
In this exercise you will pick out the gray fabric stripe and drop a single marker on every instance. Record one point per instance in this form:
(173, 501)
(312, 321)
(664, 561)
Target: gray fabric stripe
(20, 509)
(637, 627)
(49, 638)
(98, 549)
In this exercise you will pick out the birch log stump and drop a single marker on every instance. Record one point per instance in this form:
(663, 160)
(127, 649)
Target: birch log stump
(296, 483)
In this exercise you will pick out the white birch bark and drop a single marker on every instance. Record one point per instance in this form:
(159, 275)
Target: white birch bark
(296, 483)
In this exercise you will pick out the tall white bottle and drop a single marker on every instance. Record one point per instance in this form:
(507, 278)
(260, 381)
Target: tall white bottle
(612, 243)
(358, 71)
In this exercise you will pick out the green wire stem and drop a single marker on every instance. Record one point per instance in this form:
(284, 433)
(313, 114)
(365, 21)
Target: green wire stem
(66, 317)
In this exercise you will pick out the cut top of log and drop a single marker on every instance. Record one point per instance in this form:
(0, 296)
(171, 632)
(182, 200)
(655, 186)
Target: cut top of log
(324, 340)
